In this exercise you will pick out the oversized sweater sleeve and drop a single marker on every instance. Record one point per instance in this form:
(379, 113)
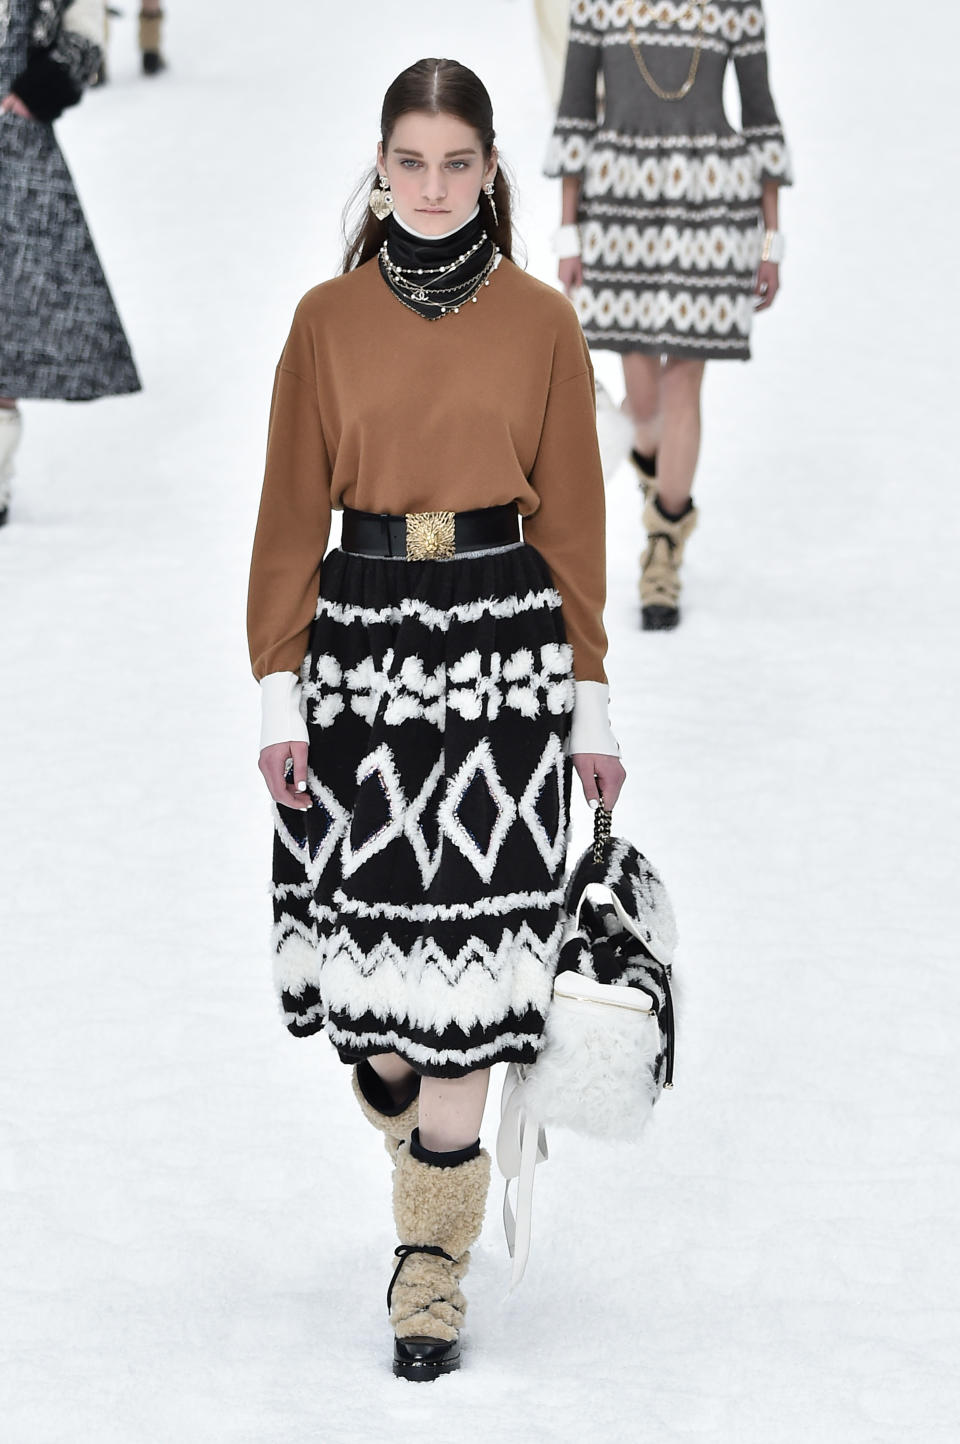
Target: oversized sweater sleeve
(568, 529)
(294, 521)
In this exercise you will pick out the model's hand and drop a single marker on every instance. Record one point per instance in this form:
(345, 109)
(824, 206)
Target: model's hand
(284, 783)
(15, 106)
(767, 285)
(602, 776)
(570, 272)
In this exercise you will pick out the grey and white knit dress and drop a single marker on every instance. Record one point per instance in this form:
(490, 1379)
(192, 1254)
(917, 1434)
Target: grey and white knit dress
(670, 199)
(60, 335)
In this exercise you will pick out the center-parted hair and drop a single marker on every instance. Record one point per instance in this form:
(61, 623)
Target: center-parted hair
(432, 87)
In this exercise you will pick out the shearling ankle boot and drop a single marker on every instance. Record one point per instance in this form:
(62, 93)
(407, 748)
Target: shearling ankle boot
(10, 430)
(438, 1203)
(660, 565)
(396, 1121)
(151, 25)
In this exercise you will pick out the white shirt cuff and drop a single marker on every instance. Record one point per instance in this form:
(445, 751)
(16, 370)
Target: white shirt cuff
(280, 711)
(591, 721)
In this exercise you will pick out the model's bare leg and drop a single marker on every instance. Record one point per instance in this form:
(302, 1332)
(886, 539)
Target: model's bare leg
(680, 388)
(643, 402)
(669, 515)
(395, 1072)
(451, 1110)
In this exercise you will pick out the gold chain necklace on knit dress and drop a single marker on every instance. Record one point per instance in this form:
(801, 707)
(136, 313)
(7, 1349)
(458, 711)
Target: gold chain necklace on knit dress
(685, 89)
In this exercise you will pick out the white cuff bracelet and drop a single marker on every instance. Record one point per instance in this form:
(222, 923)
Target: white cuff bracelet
(566, 242)
(774, 247)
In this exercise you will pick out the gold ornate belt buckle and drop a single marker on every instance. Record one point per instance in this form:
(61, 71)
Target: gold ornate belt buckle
(431, 536)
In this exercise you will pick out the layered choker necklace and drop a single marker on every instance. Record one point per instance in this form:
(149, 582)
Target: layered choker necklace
(436, 275)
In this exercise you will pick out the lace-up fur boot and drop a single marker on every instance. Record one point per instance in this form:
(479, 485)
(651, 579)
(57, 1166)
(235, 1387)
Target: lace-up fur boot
(660, 565)
(438, 1209)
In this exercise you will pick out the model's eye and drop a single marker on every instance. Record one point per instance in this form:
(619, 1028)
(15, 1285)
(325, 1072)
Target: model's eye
(459, 165)
(408, 164)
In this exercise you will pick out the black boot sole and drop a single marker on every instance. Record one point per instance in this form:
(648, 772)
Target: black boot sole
(423, 1359)
(152, 63)
(657, 618)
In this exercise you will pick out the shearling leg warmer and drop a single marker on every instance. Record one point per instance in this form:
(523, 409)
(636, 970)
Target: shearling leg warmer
(660, 564)
(10, 429)
(395, 1121)
(439, 1214)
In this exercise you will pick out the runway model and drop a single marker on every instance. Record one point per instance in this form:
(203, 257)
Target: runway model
(60, 335)
(427, 685)
(670, 234)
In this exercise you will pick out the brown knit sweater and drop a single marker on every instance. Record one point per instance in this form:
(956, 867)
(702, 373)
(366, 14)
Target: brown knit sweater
(376, 408)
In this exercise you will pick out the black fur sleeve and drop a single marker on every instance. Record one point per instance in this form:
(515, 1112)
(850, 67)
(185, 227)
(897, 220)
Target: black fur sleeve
(45, 87)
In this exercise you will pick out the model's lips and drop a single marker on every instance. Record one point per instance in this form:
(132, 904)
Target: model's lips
(431, 211)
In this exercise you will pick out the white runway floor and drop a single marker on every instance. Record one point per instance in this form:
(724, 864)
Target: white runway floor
(195, 1231)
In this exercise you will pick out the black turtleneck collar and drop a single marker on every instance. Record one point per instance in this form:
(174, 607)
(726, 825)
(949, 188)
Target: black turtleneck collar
(471, 245)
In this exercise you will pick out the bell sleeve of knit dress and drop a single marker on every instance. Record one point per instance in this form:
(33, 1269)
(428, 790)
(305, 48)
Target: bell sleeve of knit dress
(569, 531)
(293, 527)
(760, 123)
(576, 124)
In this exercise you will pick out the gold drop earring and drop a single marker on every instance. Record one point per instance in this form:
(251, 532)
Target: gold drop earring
(488, 192)
(381, 201)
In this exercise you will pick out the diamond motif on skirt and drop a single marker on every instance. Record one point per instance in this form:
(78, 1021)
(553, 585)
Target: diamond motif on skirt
(478, 767)
(376, 771)
(311, 837)
(427, 861)
(549, 773)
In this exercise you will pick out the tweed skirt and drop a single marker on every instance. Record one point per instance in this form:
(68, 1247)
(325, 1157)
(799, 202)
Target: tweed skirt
(418, 903)
(61, 337)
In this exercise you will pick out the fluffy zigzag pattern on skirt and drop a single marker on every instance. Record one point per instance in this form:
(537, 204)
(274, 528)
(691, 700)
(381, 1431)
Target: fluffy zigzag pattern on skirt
(418, 904)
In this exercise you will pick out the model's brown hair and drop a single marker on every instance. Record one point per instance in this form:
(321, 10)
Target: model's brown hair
(434, 87)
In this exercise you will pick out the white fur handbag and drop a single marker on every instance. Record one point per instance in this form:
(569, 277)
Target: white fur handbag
(609, 1036)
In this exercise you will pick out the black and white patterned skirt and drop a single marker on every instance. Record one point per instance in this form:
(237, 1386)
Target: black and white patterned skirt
(417, 905)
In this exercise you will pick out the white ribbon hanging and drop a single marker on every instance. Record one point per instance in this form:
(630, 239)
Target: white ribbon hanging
(521, 1145)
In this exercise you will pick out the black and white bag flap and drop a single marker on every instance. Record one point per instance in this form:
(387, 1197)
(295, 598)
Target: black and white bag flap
(609, 1037)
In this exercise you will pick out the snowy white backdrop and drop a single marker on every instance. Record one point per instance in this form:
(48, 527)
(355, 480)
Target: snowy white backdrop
(194, 1223)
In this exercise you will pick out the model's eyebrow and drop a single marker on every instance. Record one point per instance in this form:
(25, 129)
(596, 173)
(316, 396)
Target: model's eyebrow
(468, 150)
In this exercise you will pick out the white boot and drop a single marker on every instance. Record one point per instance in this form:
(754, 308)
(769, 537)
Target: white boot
(10, 428)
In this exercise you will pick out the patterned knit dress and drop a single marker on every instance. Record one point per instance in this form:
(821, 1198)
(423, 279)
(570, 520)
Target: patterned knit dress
(60, 335)
(669, 212)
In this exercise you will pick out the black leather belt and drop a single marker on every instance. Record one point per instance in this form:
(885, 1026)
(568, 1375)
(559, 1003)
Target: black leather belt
(423, 536)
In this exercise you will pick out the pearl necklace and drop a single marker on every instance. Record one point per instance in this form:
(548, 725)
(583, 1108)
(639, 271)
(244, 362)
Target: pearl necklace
(422, 283)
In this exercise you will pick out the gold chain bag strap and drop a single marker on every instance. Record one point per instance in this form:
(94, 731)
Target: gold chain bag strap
(601, 832)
